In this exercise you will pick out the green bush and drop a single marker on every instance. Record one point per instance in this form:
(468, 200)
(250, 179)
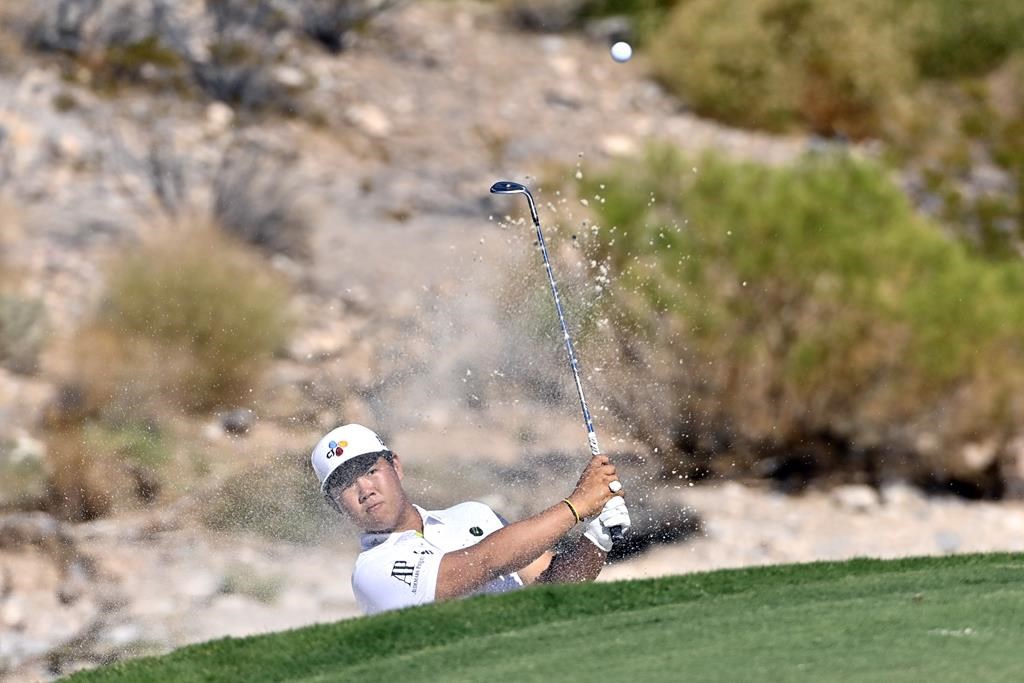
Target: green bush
(965, 141)
(808, 299)
(954, 38)
(834, 66)
(207, 311)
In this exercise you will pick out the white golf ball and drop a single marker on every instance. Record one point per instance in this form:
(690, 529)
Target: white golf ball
(621, 52)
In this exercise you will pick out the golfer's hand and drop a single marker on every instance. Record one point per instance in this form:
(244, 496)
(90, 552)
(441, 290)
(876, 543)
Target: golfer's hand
(614, 514)
(592, 490)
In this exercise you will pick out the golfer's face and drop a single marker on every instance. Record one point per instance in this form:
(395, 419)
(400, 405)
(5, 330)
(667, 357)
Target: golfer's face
(373, 498)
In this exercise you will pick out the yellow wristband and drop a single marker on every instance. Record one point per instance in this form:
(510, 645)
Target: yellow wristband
(573, 508)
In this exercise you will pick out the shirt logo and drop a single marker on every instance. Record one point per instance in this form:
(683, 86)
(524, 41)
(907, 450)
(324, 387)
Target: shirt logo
(476, 531)
(402, 571)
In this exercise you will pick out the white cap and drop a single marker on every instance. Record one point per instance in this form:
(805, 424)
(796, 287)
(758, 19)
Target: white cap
(340, 445)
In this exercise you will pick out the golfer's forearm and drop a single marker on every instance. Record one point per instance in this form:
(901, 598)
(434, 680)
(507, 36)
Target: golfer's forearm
(513, 547)
(506, 550)
(582, 562)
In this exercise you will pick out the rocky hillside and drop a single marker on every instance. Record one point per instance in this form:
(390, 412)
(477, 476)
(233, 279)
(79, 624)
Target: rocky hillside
(359, 166)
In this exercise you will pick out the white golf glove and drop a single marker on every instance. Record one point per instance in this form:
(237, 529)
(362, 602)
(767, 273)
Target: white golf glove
(614, 514)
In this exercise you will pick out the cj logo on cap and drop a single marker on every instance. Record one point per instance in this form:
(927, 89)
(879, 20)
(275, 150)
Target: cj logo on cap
(336, 449)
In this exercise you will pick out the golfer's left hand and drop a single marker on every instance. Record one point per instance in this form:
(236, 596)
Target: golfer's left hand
(614, 514)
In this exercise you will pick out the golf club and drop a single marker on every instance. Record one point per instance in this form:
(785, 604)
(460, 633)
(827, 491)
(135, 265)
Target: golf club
(509, 187)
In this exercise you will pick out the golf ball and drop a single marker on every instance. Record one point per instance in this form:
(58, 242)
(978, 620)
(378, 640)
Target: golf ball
(621, 52)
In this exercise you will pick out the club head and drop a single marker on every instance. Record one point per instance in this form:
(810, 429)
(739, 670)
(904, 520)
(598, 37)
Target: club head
(508, 187)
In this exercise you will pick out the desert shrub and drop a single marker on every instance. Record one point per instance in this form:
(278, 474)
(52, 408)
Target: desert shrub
(98, 467)
(773, 63)
(258, 199)
(82, 486)
(23, 328)
(642, 17)
(963, 141)
(241, 52)
(544, 15)
(203, 310)
(239, 72)
(228, 53)
(952, 38)
(144, 60)
(10, 35)
(23, 321)
(801, 301)
(328, 22)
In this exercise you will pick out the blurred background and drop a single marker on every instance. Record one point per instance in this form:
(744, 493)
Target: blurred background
(788, 234)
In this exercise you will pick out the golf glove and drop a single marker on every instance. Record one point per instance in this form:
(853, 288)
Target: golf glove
(614, 514)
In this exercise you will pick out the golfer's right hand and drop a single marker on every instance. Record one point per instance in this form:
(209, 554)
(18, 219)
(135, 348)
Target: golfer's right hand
(592, 490)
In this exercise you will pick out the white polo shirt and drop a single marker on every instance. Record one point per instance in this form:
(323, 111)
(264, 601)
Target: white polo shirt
(400, 569)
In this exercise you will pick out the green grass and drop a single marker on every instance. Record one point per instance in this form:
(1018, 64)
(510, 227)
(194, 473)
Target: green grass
(936, 619)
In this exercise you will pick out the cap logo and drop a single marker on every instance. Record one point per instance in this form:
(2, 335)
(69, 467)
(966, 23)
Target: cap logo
(336, 448)
(476, 531)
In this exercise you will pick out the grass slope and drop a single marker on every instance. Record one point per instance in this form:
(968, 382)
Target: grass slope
(937, 619)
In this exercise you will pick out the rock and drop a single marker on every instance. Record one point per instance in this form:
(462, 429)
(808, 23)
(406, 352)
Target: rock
(618, 145)
(12, 613)
(321, 342)
(200, 587)
(900, 494)
(971, 460)
(370, 119)
(23, 475)
(1012, 467)
(290, 77)
(219, 117)
(855, 498)
(238, 421)
(119, 636)
(947, 541)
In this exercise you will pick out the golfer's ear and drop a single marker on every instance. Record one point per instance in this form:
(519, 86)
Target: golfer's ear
(397, 463)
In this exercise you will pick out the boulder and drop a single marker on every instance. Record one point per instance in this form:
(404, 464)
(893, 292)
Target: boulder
(855, 498)
(23, 475)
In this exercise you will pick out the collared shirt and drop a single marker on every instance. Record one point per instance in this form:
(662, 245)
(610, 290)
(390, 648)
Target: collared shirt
(400, 569)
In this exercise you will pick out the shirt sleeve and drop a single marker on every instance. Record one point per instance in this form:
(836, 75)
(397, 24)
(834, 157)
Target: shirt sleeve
(404, 576)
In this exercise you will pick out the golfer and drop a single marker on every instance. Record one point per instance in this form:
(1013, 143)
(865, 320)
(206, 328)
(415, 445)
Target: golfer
(411, 556)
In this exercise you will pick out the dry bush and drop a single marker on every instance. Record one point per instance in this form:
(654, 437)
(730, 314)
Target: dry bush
(23, 321)
(329, 22)
(241, 52)
(259, 200)
(206, 302)
(12, 14)
(832, 66)
(100, 463)
(551, 16)
(187, 323)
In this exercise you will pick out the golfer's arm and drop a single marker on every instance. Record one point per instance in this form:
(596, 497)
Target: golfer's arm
(506, 550)
(582, 562)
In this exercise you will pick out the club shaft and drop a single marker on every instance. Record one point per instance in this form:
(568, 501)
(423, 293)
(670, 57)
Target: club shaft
(506, 187)
(573, 363)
